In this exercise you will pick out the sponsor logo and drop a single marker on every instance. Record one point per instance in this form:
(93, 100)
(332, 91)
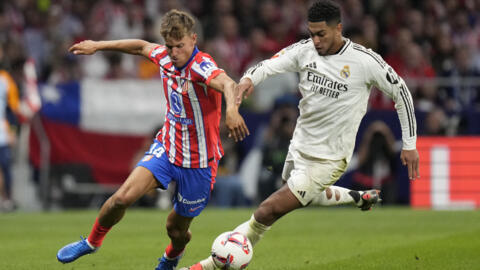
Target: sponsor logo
(302, 193)
(181, 120)
(325, 86)
(324, 81)
(391, 76)
(176, 100)
(345, 72)
(181, 199)
(194, 208)
(312, 65)
(205, 66)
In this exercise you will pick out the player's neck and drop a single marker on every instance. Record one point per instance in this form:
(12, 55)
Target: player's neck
(338, 46)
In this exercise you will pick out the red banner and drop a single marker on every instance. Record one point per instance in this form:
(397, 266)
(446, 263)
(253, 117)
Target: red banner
(450, 173)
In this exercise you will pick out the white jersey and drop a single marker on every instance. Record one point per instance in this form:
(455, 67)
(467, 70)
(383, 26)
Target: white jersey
(335, 91)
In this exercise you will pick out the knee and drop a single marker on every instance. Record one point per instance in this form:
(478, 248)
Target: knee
(121, 201)
(177, 234)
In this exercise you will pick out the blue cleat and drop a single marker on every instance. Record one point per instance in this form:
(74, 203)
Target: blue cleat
(166, 264)
(73, 251)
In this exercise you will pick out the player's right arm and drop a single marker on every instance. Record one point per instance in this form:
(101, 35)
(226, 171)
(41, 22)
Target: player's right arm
(130, 46)
(283, 61)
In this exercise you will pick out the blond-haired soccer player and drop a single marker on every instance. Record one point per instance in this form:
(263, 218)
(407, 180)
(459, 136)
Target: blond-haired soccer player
(186, 150)
(335, 80)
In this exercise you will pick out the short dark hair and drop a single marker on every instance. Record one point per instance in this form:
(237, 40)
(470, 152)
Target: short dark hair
(324, 10)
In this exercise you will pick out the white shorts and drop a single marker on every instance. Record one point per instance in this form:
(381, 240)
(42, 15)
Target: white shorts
(308, 176)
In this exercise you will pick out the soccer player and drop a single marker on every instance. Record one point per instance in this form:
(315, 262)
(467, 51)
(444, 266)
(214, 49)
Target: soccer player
(335, 80)
(186, 150)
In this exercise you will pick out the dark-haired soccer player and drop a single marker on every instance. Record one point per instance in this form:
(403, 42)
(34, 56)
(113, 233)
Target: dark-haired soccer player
(186, 150)
(335, 80)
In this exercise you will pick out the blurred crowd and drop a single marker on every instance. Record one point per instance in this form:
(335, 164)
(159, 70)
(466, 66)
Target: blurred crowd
(433, 44)
(420, 39)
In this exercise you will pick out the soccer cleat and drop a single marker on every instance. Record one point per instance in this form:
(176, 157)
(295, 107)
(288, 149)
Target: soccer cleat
(73, 251)
(166, 264)
(370, 198)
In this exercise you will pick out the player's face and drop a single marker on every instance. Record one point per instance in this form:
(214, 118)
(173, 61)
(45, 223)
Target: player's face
(326, 39)
(181, 50)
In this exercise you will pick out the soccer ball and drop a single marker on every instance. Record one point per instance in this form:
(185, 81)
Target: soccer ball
(232, 250)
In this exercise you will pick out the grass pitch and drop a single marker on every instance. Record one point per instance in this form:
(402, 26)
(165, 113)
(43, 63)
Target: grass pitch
(312, 238)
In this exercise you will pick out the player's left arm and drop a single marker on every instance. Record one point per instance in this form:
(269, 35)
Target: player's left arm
(234, 121)
(386, 79)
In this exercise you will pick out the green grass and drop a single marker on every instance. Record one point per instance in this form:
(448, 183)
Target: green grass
(313, 238)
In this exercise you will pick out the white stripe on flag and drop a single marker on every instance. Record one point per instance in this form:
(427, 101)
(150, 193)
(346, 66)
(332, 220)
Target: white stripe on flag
(127, 107)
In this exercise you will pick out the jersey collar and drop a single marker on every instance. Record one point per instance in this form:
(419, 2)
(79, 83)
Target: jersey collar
(195, 51)
(346, 42)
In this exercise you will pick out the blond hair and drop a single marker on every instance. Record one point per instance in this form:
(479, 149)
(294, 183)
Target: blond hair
(176, 24)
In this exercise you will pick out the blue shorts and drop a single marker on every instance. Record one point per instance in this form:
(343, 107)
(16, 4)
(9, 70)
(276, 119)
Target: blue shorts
(193, 184)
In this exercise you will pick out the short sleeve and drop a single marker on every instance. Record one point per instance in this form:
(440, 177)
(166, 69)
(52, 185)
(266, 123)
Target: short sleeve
(205, 69)
(157, 54)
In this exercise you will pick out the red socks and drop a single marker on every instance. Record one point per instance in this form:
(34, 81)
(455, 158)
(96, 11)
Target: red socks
(97, 234)
(172, 253)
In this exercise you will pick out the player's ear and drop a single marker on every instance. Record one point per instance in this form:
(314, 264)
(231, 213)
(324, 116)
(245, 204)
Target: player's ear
(194, 38)
(339, 28)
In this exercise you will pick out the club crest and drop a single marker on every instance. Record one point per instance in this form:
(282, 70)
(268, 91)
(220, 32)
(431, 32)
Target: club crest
(345, 72)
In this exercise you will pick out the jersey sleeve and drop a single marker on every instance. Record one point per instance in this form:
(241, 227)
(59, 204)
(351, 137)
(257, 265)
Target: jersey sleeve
(382, 75)
(205, 69)
(157, 54)
(284, 61)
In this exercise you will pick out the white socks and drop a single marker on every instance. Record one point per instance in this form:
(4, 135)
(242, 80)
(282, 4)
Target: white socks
(335, 195)
(251, 228)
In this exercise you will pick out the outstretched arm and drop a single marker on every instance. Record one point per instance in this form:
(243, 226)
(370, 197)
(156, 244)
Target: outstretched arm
(284, 61)
(234, 121)
(130, 46)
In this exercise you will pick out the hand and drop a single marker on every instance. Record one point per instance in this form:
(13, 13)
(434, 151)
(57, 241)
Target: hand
(236, 125)
(410, 159)
(84, 47)
(243, 90)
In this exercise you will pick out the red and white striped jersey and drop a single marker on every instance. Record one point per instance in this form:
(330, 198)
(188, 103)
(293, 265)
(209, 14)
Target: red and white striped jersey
(190, 133)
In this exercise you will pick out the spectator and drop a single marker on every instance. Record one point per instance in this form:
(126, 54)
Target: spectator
(377, 162)
(442, 59)
(427, 97)
(230, 47)
(436, 123)
(228, 190)
(10, 99)
(462, 95)
(275, 144)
